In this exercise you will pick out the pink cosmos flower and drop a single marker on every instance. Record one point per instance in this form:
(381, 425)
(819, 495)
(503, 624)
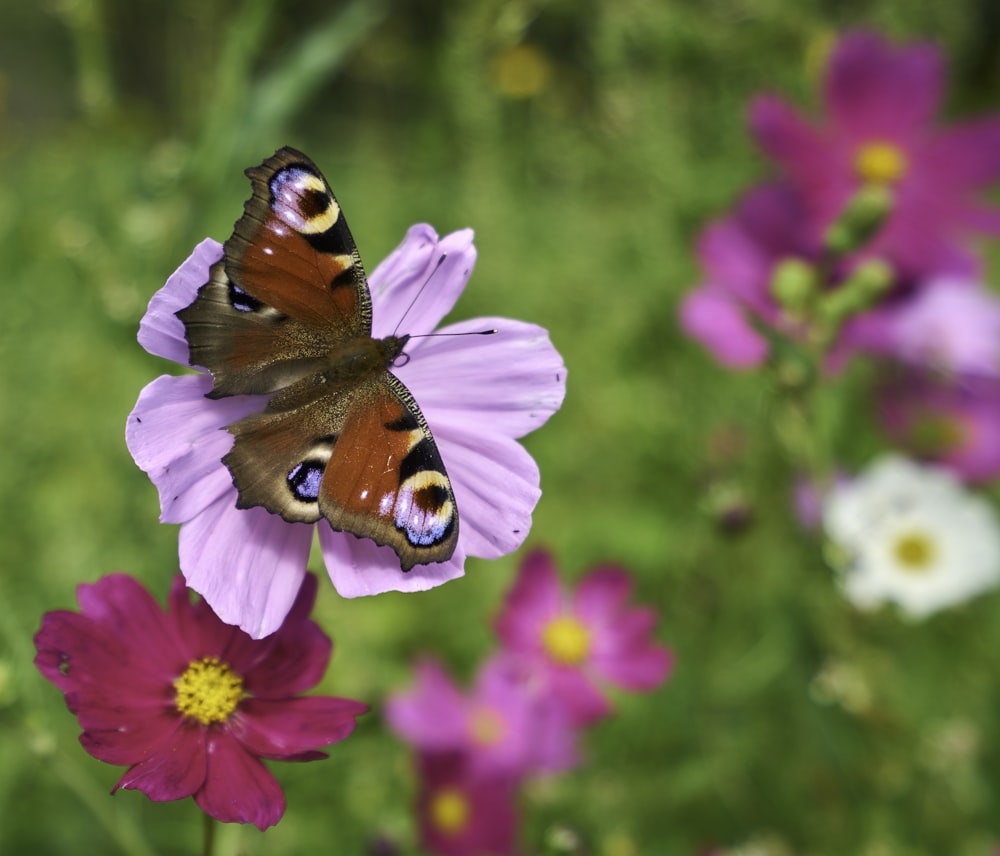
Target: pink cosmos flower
(953, 325)
(576, 642)
(465, 815)
(955, 423)
(189, 704)
(881, 102)
(478, 394)
(504, 725)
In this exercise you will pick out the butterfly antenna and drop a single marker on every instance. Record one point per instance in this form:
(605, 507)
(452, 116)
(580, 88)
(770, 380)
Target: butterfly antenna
(416, 297)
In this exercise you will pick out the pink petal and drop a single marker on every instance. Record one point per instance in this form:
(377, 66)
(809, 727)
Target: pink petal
(875, 89)
(719, 325)
(492, 521)
(281, 728)
(584, 703)
(535, 599)
(642, 668)
(358, 567)
(510, 382)
(432, 715)
(966, 155)
(797, 146)
(239, 788)
(248, 564)
(420, 281)
(176, 770)
(131, 738)
(161, 332)
(601, 595)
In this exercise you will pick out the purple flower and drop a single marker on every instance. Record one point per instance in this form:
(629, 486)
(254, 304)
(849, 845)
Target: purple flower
(739, 254)
(881, 102)
(191, 705)
(953, 325)
(955, 423)
(504, 725)
(478, 394)
(465, 815)
(577, 642)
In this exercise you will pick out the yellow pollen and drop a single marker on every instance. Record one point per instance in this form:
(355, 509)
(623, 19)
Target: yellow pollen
(522, 71)
(915, 552)
(486, 726)
(208, 691)
(880, 163)
(566, 640)
(449, 811)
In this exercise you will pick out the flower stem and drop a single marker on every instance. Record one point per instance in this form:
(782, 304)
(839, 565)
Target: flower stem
(208, 835)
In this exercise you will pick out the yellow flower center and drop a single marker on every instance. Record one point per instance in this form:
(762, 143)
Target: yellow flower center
(880, 163)
(915, 552)
(208, 691)
(566, 640)
(449, 810)
(522, 71)
(487, 726)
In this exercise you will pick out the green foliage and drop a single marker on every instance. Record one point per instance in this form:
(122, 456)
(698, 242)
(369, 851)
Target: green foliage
(791, 721)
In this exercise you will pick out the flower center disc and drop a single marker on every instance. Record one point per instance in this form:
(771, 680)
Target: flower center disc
(449, 811)
(880, 163)
(208, 691)
(915, 552)
(486, 726)
(566, 640)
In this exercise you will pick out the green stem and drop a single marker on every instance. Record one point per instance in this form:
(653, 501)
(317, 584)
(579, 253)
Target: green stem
(208, 835)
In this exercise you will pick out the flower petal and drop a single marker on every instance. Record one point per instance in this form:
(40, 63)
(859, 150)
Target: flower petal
(161, 332)
(535, 598)
(432, 715)
(421, 280)
(238, 787)
(291, 726)
(511, 382)
(722, 327)
(248, 564)
(177, 769)
(358, 567)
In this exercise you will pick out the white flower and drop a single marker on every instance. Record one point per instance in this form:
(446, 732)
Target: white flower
(912, 535)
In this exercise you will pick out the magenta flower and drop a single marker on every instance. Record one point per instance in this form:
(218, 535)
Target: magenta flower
(951, 325)
(478, 394)
(577, 642)
(191, 705)
(465, 815)
(504, 726)
(738, 255)
(881, 102)
(954, 423)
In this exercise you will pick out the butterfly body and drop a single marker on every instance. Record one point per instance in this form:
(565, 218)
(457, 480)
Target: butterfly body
(286, 313)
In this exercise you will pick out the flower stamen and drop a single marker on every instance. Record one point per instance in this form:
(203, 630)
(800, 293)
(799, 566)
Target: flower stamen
(566, 640)
(880, 162)
(915, 552)
(486, 726)
(208, 691)
(449, 811)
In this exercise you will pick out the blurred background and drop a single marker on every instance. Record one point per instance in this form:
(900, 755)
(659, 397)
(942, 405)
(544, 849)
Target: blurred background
(587, 143)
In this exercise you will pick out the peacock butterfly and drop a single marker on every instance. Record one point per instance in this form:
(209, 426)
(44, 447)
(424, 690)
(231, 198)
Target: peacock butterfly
(287, 313)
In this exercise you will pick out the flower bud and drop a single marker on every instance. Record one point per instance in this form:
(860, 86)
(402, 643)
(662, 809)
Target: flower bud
(794, 285)
(860, 221)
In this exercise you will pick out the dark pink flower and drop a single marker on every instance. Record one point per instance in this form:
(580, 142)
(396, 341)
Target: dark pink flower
(479, 394)
(504, 725)
(465, 815)
(738, 255)
(951, 421)
(880, 127)
(576, 642)
(191, 705)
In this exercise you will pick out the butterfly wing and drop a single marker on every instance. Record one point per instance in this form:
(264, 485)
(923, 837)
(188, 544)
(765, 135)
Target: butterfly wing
(364, 459)
(290, 285)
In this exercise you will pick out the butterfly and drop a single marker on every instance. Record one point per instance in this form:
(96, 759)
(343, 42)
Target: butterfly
(287, 313)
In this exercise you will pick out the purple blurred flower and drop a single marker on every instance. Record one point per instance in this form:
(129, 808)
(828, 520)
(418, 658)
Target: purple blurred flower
(188, 703)
(953, 325)
(478, 394)
(881, 102)
(955, 423)
(577, 642)
(739, 254)
(465, 815)
(504, 726)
